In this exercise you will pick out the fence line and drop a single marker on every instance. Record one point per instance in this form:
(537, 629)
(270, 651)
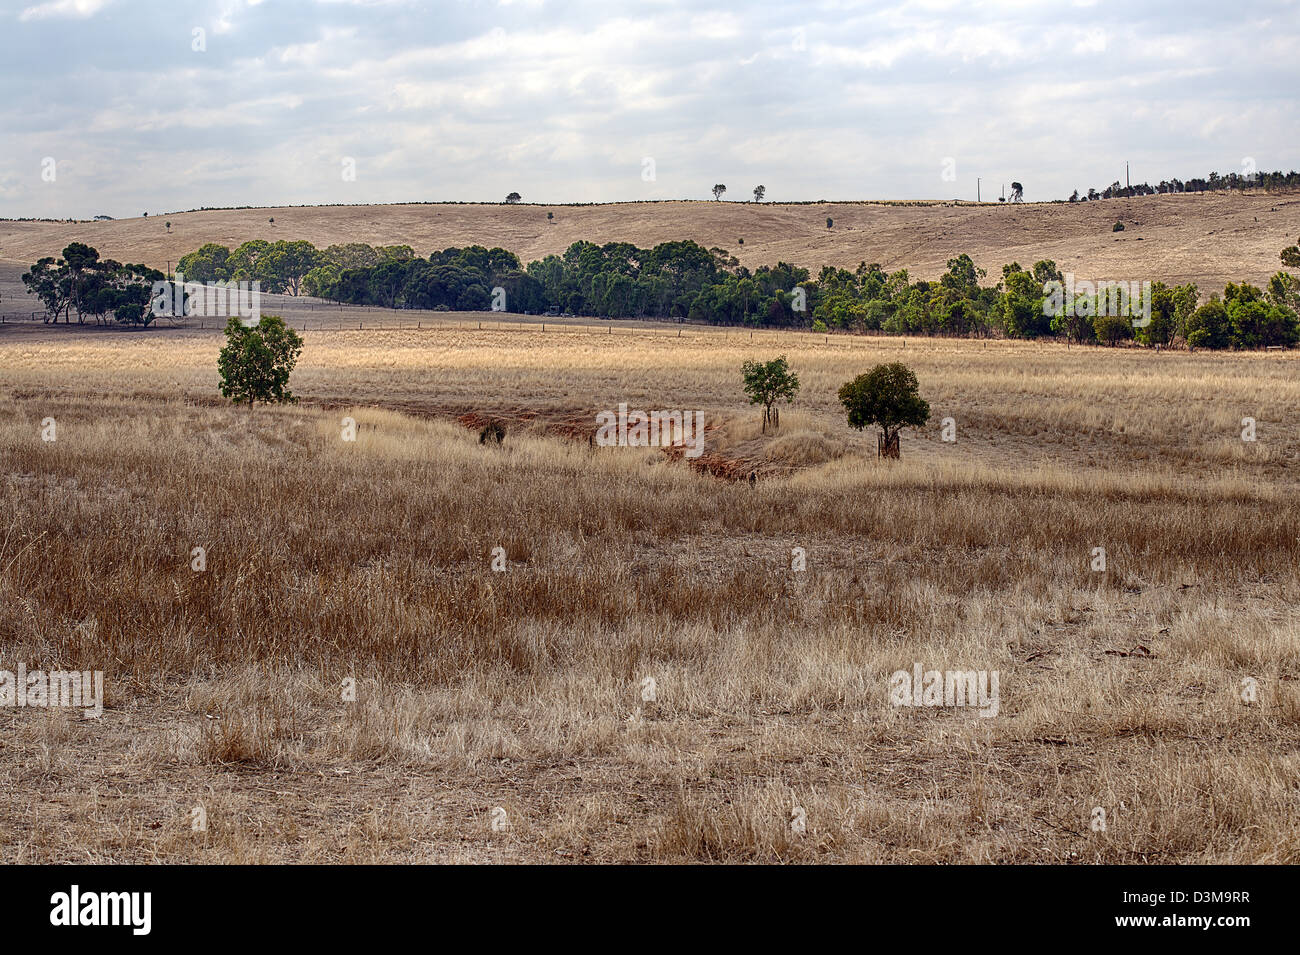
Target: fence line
(728, 333)
(434, 325)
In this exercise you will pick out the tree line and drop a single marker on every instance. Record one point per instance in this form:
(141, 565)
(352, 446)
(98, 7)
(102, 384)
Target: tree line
(1268, 181)
(684, 280)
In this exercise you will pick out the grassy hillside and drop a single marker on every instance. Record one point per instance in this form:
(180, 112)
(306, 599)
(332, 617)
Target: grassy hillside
(1208, 239)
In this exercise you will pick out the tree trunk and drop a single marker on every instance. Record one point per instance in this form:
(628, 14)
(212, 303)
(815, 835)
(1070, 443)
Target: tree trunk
(887, 446)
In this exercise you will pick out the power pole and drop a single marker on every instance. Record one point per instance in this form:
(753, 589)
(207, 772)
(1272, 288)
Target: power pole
(977, 189)
(1128, 187)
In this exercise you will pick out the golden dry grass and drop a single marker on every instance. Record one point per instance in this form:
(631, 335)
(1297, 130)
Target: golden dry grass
(1209, 239)
(370, 560)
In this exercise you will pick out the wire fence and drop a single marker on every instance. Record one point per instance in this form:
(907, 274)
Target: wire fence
(430, 321)
(367, 318)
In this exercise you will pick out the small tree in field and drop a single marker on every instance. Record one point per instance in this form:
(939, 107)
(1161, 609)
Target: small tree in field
(766, 383)
(888, 397)
(257, 360)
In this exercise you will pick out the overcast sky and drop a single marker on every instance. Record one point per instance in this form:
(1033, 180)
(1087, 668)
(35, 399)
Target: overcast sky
(165, 105)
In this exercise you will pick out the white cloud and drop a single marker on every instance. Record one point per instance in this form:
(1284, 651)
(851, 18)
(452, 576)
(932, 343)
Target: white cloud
(470, 99)
(63, 8)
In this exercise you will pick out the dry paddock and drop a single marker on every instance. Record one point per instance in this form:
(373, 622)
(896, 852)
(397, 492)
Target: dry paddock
(230, 734)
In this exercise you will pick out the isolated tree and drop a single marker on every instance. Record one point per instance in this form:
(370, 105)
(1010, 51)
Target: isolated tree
(766, 383)
(759, 193)
(550, 216)
(1017, 192)
(718, 190)
(271, 220)
(513, 198)
(257, 360)
(888, 397)
(169, 225)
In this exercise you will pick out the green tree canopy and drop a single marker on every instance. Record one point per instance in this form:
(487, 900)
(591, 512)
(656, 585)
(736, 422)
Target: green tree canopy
(1291, 256)
(888, 397)
(209, 263)
(766, 383)
(256, 361)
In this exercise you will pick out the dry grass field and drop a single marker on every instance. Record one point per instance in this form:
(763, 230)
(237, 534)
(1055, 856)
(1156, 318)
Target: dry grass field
(1210, 239)
(370, 560)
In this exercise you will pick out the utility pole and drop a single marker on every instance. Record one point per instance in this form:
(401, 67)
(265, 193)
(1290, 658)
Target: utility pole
(1127, 185)
(977, 189)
